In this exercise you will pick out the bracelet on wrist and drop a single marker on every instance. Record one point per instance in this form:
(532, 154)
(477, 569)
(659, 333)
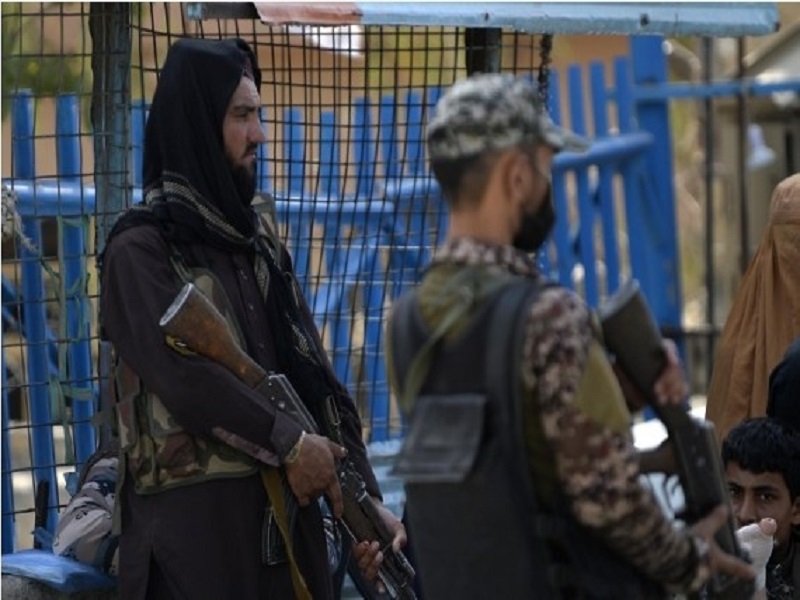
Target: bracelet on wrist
(294, 453)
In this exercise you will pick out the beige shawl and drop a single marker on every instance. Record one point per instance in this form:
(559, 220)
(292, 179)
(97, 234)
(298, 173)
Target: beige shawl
(764, 318)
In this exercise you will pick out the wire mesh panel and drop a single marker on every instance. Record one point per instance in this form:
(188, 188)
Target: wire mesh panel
(49, 288)
(344, 110)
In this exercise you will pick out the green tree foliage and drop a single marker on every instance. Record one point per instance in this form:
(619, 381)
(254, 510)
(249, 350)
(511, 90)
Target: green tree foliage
(32, 61)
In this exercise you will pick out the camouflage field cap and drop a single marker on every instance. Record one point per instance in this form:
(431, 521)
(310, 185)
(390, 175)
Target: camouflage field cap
(490, 112)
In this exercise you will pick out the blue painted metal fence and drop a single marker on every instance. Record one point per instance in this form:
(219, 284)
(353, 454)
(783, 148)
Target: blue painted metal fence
(616, 219)
(394, 232)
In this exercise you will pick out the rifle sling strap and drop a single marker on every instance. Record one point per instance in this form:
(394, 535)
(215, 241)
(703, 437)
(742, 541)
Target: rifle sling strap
(272, 483)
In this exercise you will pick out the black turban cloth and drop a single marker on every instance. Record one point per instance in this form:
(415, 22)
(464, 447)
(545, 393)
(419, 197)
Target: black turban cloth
(784, 388)
(191, 196)
(183, 134)
(184, 157)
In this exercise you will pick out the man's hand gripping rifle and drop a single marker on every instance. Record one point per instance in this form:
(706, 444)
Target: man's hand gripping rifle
(192, 322)
(691, 450)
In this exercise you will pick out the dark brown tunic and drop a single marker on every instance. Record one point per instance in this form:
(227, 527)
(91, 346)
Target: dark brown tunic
(205, 540)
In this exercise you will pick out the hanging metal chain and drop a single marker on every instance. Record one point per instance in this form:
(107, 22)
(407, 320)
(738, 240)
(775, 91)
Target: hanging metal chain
(543, 77)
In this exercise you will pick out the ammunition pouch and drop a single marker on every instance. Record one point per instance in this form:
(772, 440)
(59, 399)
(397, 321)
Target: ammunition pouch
(159, 453)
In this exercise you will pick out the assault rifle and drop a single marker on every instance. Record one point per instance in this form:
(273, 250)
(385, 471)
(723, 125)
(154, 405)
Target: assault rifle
(691, 451)
(192, 323)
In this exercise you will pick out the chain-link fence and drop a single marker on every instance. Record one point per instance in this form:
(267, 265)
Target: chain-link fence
(344, 109)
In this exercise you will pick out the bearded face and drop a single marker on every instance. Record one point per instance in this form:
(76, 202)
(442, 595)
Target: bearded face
(241, 134)
(536, 226)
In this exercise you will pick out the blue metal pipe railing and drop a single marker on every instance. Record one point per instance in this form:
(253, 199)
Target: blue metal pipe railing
(73, 248)
(338, 256)
(42, 198)
(605, 175)
(649, 66)
(414, 153)
(299, 229)
(586, 208)
(138, 120)
(52, 199)
(33, 294)
(717, 89)
(624, 86)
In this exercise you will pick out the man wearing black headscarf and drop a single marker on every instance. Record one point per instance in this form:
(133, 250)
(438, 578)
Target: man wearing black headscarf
(196, 519)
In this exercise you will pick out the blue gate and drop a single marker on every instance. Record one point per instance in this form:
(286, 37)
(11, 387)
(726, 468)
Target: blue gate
(615, 204)
(616, 220)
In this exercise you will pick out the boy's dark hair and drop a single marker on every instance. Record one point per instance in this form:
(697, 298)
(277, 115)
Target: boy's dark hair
(763, 445)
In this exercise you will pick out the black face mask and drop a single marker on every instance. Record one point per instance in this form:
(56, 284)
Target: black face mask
(536, 226)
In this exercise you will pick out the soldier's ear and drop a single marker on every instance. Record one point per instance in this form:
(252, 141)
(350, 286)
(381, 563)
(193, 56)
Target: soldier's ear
(515, 173)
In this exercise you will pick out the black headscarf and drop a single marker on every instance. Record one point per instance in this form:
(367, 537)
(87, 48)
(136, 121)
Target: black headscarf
(190, 193)
(189, 189)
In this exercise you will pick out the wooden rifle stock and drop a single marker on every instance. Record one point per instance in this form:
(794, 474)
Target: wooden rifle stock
(631, 334)
(193, 323)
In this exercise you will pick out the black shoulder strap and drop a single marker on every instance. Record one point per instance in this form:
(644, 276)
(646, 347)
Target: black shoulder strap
(504, 356)
(404, 323)
(503, 378)
(504, 369)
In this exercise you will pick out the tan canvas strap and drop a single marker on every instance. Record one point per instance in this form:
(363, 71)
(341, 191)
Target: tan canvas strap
(274, 487)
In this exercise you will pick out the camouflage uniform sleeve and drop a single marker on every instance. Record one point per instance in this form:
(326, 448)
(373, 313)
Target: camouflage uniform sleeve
(586, 426)
(84, 528)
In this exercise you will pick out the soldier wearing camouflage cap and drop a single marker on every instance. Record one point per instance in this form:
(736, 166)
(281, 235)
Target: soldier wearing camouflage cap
(492, 112)
(540, 494)
(493, 120)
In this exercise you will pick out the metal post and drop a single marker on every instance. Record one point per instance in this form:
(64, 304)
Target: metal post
(649, 66)
(8, 532)
(744, 213)
(42, 448)
(300, 230)
(73, 247)
(708, 145)
(109, 25)
(586, 208)
(138, 119)
(483, 49)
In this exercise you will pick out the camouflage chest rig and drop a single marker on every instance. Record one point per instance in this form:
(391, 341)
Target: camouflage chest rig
(156, 451)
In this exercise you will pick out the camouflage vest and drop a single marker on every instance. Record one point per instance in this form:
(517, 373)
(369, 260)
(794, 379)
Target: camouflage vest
(159, 454)
(466, 449)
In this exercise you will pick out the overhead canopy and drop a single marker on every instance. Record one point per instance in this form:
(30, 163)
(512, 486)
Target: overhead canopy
(730, 19)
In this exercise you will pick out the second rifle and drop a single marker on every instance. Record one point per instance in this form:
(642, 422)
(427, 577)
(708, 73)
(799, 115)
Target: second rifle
(631, 334)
